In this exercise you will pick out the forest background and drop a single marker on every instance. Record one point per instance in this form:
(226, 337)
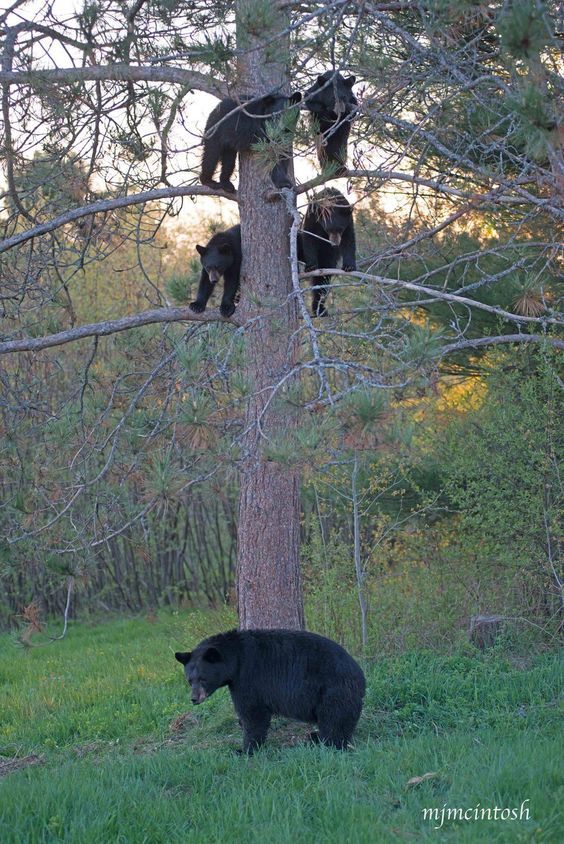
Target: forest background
(420, 422)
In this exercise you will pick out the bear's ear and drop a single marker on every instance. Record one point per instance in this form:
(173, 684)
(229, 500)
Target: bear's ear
(212, 655)
(201, 249)
(350, 81)
(295, 98)
(321, 80)
(183, 657)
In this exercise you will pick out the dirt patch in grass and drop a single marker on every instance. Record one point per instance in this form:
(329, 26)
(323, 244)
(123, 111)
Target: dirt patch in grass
(183, 722)
(92, 747)
(9, 765)
(289, 733)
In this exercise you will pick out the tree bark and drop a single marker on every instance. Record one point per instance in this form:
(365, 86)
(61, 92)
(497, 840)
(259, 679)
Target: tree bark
(269, 591)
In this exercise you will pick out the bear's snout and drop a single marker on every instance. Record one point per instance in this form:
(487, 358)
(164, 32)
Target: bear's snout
(214, 276)
(335, 238)
(199, 695)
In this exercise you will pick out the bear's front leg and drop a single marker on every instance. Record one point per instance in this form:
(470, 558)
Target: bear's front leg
(348, 248)
(231, 286)
(255, 729)
(204, 292)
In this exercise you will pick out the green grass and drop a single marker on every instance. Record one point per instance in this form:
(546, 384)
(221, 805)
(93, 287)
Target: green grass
(99, 705)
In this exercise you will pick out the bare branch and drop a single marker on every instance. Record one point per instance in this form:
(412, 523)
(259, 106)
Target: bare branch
(502, 338)
(383, 175)
(437, 294)
(116, 73)
(113, 326)
(110, 205)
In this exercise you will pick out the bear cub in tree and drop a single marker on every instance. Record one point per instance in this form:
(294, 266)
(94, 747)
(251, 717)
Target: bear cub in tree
(237, 132)
(280, 672)
(220, 257)
(333, 105)
(326, 238)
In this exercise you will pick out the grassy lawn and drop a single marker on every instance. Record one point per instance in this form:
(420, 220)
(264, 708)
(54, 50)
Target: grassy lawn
(117, 764)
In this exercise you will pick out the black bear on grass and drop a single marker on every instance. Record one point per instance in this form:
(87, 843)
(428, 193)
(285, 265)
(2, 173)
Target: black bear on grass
(221, 257)
(326, 238)
(237, 130)
(333, 105)
(280, 672)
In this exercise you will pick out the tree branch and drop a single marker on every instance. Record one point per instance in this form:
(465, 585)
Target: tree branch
(109, 205)
(113, 326)
(436, 294)
(116, 73)
(502, 338)
(398, 176)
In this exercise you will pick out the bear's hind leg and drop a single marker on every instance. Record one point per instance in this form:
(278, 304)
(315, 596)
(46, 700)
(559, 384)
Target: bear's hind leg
(210, 160)
(336, 719)
(335, 151)
(319, 295)
(228, 159)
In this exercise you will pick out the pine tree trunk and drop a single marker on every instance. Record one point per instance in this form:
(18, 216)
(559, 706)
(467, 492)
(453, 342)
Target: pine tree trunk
(269, 592)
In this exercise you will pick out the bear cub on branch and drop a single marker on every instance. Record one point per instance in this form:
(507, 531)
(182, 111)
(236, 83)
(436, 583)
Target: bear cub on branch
(237, 132)
(220, 257)
(326, 238)
(333, 105)
(280, 672)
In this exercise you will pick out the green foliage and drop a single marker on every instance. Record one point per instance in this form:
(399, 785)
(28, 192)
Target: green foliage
(157, 102)
(364, 408)
(331, 597)
(254, 18)
(196, 411)
(180, 288)
(422, 586)
(52, 181)
(524, 28)
(523, 122)
(89, 16)
(421, 344)
(304, 445)
(501, 465)
(279, 133)
(162, 475)
(218, 51)
(469, 263)
(63, 566)
(536, 118)
(189, 357)
(131, 145)
(280, 129)
(459, 512)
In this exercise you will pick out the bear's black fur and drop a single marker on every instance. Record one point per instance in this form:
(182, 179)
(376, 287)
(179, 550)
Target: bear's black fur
(280, 672)
(220, 257)
(333, 105)
(238, 132)
(327, 236)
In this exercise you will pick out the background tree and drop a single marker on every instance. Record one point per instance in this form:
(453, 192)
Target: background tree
(456, 177)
